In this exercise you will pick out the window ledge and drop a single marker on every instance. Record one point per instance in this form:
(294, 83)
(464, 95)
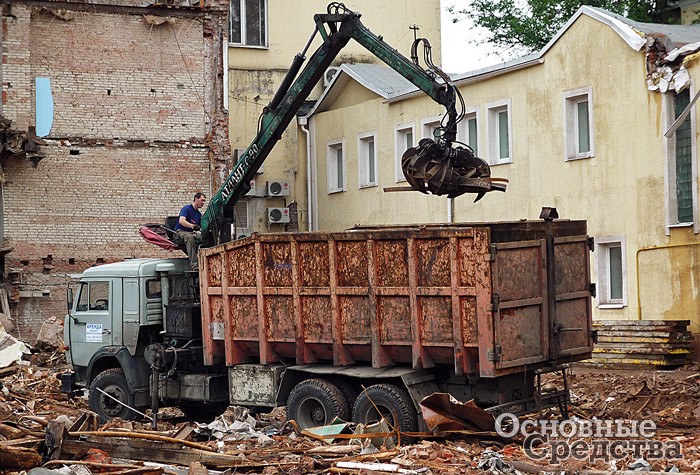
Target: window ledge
(331, 192)
(240, 45)
(494, 164)
(371, 185)
(611, 305)
(580, 157)
(680, 225)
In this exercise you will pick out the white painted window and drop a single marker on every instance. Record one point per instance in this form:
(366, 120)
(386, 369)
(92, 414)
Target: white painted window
(681, 163)
(468, 131)
(367, 159)
(578, 125)
(247, 22)
(335, 160)
(404, 138)
(498, 123)
(240, 214)
(429, 125)
(612, 271)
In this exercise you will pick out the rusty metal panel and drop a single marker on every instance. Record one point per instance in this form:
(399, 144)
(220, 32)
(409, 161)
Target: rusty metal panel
(433, 262)
(519, 300)
(391, 263)
(572, 320)
(277, 264)
(351, 264)
(314, 266)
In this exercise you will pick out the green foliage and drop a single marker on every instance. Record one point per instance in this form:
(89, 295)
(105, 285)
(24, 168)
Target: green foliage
(529, 24)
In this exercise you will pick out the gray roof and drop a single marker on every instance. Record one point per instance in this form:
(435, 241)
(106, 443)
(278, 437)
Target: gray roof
(381, 79)
(678, 34)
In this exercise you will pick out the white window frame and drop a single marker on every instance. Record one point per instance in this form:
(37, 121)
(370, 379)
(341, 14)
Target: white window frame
(493, 131)
(332, 165)
(428, 124)
(670, 191)
(602, 246)
(400, 147)
(470, 113)
(571, 124)
(366, 164)
(244, 27)
(242, 206)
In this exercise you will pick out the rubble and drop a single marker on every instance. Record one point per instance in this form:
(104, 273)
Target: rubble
(43, 432)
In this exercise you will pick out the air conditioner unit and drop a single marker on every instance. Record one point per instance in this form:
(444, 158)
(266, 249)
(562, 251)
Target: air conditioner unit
(277, 188)
(329, 75)
(252, 191)
(238, 152)
(277, 215)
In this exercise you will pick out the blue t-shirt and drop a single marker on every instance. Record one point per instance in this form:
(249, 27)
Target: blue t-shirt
(192, 216)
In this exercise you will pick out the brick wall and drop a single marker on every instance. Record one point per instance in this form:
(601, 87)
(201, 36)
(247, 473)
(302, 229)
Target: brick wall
(135, 113)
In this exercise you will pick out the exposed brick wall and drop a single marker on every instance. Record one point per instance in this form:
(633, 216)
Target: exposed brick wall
(136, 109)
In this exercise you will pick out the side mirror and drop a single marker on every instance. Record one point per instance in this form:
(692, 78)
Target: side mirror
(69, 299)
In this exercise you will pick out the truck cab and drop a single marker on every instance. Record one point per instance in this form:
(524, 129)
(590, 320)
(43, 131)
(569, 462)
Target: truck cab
(116, 313)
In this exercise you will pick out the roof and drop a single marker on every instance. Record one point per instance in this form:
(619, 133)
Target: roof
(387, 83)
(382, 80)
(135, 268)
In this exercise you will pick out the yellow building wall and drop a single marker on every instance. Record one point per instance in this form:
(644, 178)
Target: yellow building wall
(619, 191)
(255, 74)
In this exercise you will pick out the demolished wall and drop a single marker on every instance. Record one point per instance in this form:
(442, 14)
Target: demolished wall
(136, 129)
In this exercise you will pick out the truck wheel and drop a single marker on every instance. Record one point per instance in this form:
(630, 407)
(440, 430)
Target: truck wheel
(113, 382)
(316, 402)
(386, 400)
(203, 412)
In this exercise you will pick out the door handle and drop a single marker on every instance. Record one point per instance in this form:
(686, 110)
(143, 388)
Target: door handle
(106, 332)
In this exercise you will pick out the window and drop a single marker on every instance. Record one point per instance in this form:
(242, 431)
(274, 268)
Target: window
(578, 127)
(240, 216)
(335, 160)
(248, 22)
(93, 296)
(429, 126)
(612, 272)
(469, 130)
(153, 290)
(681, 169)
(367, 159)
(403, 138)
(499, 132)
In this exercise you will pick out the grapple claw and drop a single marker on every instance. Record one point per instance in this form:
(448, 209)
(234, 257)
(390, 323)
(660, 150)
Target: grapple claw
(442, 170)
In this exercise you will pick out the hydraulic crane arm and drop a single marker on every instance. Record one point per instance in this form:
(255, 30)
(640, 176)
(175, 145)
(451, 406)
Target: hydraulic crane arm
(434, 167)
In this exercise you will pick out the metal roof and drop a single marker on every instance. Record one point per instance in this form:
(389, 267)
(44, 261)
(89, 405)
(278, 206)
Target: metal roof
(134, 268)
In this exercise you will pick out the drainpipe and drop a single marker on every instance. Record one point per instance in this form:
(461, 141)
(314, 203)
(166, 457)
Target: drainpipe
(652, 248)
(310, 212)
(450, 210)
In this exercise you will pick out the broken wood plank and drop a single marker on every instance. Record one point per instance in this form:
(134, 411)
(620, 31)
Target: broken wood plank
(19, 458)
(141, 435)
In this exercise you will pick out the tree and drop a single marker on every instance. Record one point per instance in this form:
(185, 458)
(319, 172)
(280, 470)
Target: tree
(527, 25)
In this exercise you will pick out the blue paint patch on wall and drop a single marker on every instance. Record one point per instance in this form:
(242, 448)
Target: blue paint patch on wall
(44, 107)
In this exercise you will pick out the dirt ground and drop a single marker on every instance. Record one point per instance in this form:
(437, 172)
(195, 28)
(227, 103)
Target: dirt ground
(669, 398)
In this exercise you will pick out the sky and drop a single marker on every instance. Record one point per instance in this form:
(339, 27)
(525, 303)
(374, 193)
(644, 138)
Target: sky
(459, 52)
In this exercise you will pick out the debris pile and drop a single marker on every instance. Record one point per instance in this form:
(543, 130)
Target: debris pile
(41, 427)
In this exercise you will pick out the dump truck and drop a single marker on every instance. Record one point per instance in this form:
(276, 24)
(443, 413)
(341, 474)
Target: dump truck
(356, 324)
(350, 324)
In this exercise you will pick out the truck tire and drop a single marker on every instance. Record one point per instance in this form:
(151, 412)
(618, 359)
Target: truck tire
(113, 382)
(203, 412)
(386, 400)
(316, 402)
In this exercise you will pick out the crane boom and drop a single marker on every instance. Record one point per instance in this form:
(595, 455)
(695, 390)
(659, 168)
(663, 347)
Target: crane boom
(458, 171)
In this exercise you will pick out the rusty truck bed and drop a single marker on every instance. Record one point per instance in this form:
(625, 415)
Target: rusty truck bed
(474, 297)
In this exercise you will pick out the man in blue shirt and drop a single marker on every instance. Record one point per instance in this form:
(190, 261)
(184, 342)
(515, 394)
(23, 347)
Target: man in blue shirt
(187, 227)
